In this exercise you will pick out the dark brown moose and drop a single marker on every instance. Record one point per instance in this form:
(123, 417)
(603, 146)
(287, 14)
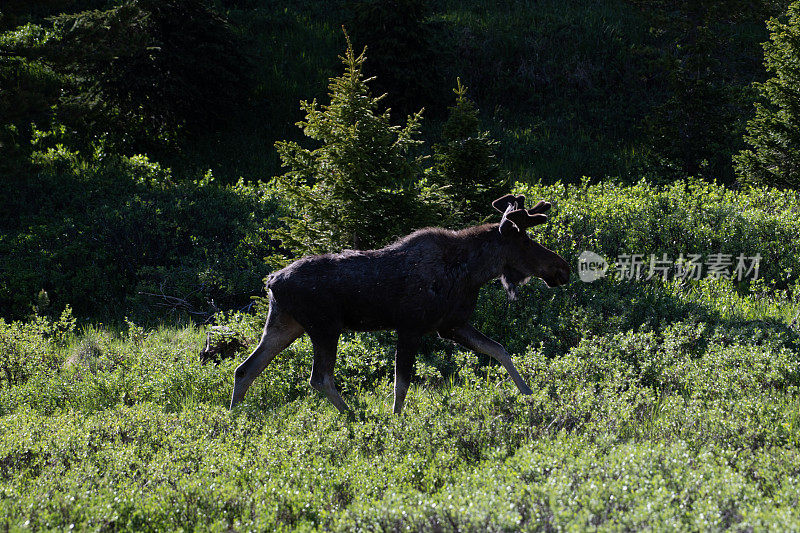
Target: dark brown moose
(427, 281)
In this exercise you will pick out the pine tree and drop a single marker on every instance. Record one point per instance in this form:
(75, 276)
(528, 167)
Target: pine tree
(361, 187)
(774, 132)
(465, 160)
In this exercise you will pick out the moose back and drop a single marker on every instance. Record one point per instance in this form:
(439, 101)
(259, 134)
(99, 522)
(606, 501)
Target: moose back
(425, 282)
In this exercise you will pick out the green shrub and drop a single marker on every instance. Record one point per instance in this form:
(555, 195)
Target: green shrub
(115, 235)
(685, 217)
(681, 422)
(31, 348)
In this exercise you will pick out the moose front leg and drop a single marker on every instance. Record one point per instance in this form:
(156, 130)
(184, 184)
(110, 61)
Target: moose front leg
(280, 331)
(473, 339)
(407, 346)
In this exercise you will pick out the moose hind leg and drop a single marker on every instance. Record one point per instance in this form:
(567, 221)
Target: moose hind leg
(322, 371)
(280, 331)
(473, 339)
(407, 345)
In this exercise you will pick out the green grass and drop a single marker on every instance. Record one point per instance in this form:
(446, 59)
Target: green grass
(624, 431)
(656, 405)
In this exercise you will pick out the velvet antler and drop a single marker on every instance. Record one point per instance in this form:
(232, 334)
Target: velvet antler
(516, 217)
(517, 202)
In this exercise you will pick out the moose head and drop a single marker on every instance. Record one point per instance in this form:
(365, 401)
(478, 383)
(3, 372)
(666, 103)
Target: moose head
(524, 257)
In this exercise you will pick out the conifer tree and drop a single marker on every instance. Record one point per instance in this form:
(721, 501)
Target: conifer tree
(465, 160)
(774, 133)
(361, 186)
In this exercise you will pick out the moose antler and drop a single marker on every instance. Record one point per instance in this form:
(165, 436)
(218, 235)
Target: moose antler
(541, 207)
(516, 217)
(502, 204)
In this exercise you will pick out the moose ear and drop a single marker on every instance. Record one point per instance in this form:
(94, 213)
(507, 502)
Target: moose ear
(507, 227)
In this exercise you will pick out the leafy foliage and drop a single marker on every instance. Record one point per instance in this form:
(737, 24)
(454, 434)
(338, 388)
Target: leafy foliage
(774, 133)
(98, 233)
(131, 76)
(685, 417)
(361, 187)
(30, 348)
(656, 405)
(690, 216)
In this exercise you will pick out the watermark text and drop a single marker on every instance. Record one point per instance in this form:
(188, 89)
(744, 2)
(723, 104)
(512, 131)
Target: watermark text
(592, 266)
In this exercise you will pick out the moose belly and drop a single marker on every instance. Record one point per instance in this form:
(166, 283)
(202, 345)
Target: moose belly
(419, 312)
(368, 316)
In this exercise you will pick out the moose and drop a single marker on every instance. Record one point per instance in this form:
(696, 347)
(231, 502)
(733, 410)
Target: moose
(425, 282)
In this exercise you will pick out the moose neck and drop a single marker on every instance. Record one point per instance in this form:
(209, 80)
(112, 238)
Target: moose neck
(483, 253)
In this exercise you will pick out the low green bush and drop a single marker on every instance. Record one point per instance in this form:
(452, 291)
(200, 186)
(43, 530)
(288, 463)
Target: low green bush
(681, 413)
(690, 217)
(112, 236)
(31, 348)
